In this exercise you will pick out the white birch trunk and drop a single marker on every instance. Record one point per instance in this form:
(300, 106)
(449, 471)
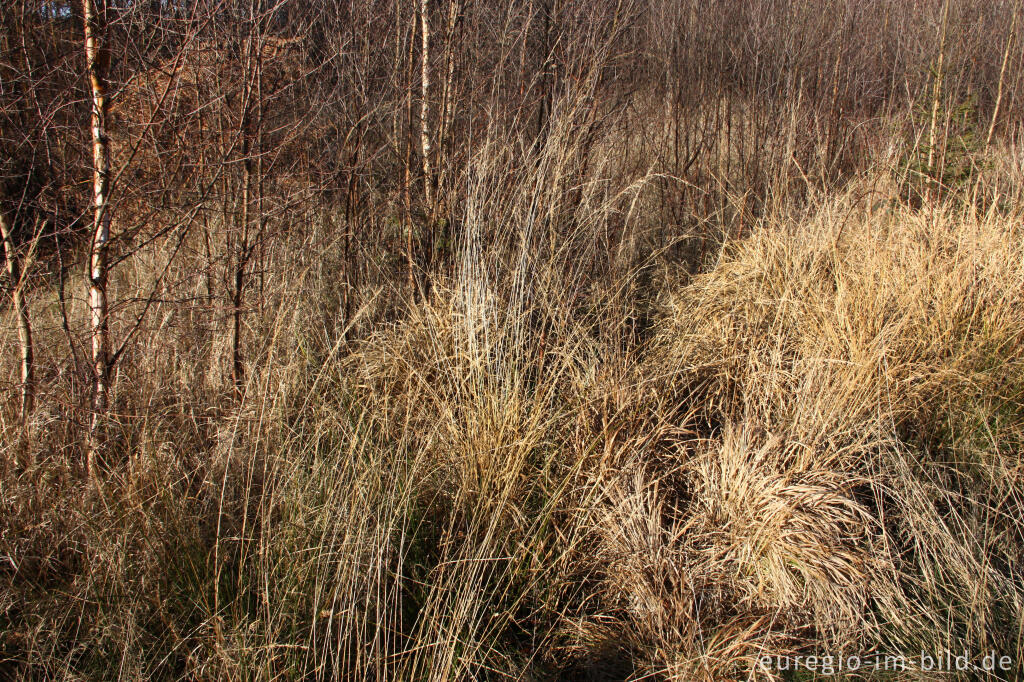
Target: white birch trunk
(97, 59)
(425, 133)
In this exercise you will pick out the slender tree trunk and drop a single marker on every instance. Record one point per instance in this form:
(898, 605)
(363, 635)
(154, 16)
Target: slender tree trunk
(427, 144)
(425, 132)
(447, 96)
(547, 80)
(933, 178)
(98, 58)
(238, 279)
(252, 72)
(24, 322)
(1002, 75)
(237, 367)
(410, 254)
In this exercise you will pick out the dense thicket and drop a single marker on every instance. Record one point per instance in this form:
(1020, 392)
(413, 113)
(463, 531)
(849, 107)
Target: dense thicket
(552, 339)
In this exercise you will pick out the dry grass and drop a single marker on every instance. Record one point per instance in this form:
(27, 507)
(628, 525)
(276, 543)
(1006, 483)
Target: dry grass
(859, 377)
(715, 354)
(815, 447)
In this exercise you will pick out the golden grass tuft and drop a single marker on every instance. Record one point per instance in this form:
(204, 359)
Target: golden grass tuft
(815, 448)
(859, 377)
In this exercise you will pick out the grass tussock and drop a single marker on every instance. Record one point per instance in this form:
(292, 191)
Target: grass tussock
(859, 378)
(813, 446)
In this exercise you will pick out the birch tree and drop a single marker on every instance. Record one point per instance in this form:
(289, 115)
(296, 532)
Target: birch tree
(425, 132)
(97, 61)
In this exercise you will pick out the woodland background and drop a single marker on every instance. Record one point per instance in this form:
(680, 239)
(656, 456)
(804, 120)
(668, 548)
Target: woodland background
(544, 339)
